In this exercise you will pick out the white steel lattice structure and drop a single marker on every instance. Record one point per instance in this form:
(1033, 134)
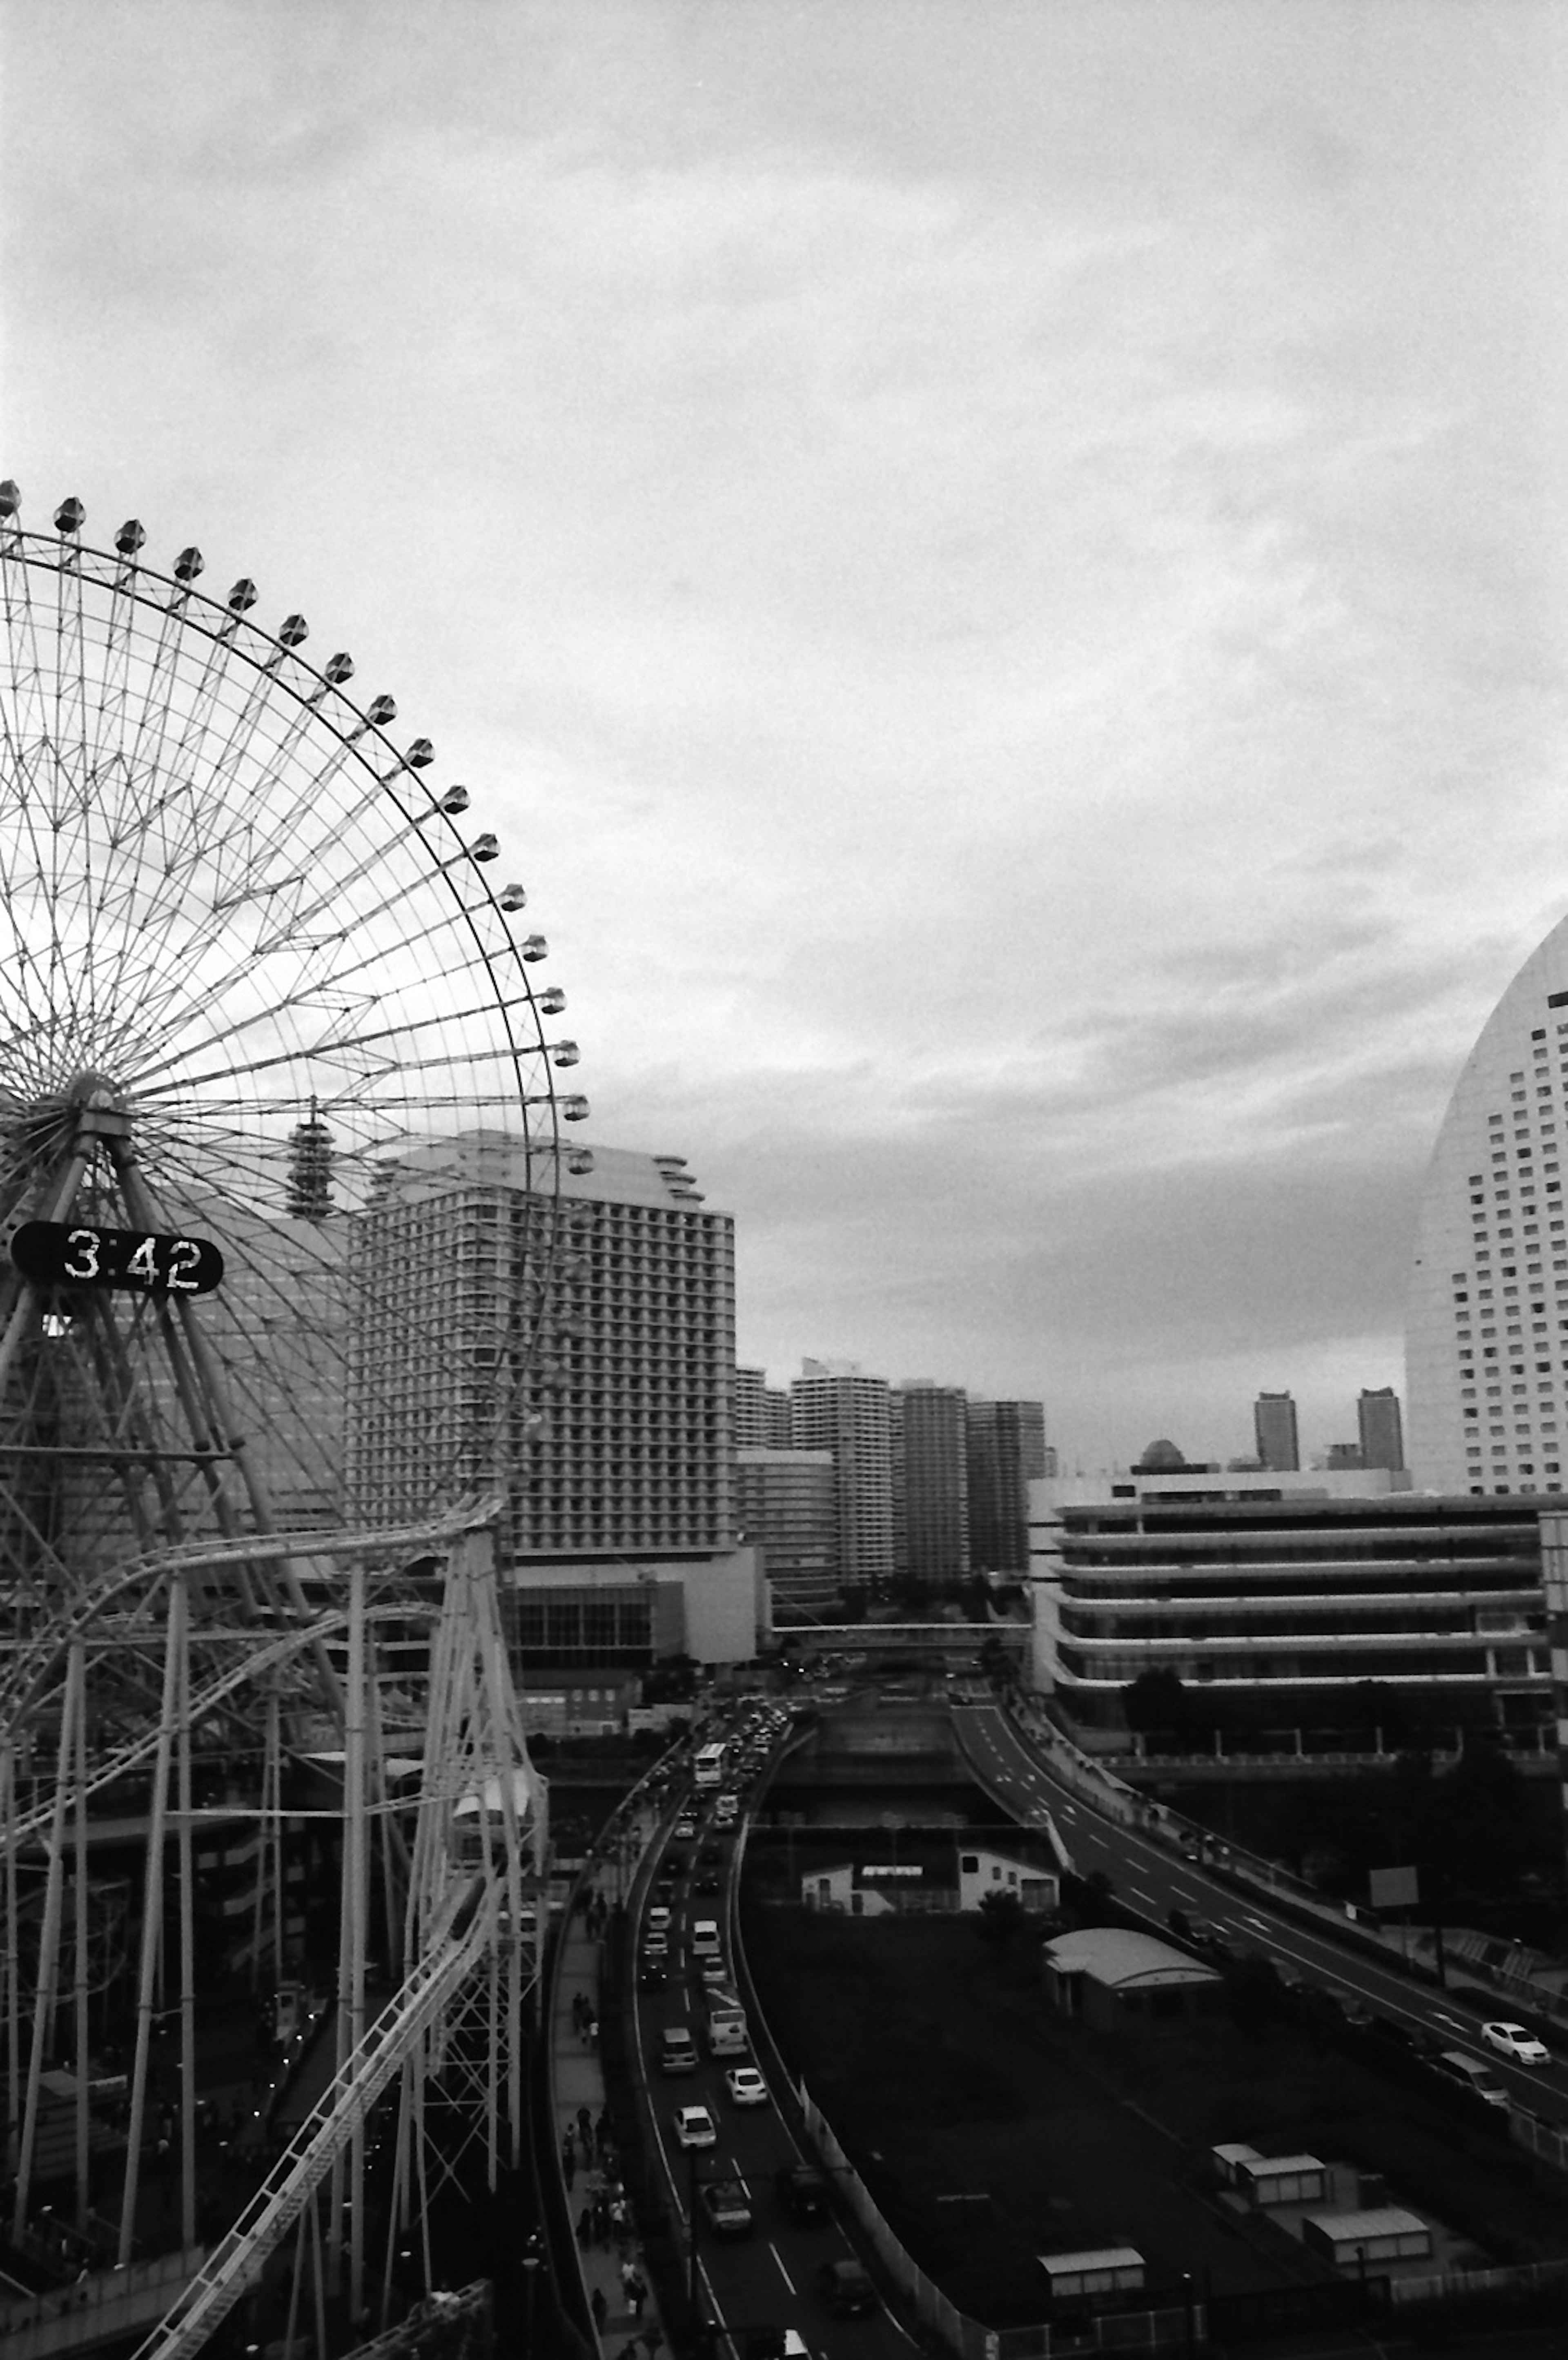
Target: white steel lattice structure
(249, 960)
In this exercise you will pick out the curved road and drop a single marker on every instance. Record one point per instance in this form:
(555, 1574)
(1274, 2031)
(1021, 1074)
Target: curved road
(1152, 1878)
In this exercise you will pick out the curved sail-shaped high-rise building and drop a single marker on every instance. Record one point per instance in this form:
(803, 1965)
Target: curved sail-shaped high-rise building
(1487, 1336)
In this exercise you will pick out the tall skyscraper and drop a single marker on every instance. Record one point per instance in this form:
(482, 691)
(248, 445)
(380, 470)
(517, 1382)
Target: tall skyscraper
(834, 1406)
(1380, 1427)
(1487, 1314)
(1274, 1424)
(1007, 1452)
(931, 1481)
(617, 1440)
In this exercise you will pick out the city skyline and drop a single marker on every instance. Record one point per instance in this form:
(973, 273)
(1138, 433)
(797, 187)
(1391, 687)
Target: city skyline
(1001, 593)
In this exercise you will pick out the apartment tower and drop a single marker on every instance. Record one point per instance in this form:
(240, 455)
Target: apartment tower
(834, 1406)
(1274, 1424)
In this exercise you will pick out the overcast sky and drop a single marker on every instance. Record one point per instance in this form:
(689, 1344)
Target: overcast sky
(998, 570)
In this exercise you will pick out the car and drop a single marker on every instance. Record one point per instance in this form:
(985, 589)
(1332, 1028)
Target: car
(1516, 2042)
(707, 1879)
(746, 2086)
(713, 1970)
(803, 2193)
(774, 2343)
(685, 1830)
(694, 2127)
(658, 1921)
(725, 2207)
(846, 2289)
(652, 1975)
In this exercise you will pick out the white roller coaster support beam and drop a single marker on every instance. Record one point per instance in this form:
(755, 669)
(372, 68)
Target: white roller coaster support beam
(31, 1669)
(458, 1944)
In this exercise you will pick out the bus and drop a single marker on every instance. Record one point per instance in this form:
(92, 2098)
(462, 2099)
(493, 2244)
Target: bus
(707, 1770)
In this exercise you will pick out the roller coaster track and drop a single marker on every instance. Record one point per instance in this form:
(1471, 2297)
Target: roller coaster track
(38, 1658)
(460, 1938)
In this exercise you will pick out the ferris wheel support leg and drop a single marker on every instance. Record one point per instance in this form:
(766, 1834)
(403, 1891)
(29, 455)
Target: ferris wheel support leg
(10, 1964)
(152, 1914)
(44, 1995)
(81, 1981)
(187, 1944)
(352, 1944)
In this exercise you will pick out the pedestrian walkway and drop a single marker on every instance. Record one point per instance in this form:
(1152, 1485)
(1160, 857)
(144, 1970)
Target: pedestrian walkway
(615, 2279)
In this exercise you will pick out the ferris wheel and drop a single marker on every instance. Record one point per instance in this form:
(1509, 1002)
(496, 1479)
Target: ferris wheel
(259, 999)
(284, 1237)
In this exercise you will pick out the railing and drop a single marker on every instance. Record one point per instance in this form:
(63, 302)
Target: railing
(101, 2308)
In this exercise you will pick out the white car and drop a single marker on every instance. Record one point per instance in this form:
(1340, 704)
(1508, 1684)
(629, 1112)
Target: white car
(1512, 2042)
(694, 2127)
(746, 2086)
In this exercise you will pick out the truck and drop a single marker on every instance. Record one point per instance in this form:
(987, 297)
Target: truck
(727, 2034)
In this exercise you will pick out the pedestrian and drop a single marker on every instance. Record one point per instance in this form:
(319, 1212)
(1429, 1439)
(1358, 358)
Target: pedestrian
(601, 2218)
(637, 2289)
(592, 2034)
(627, 2279)
(599, 2308)
(586, 2226)
(585, 2127)
(569, 2166)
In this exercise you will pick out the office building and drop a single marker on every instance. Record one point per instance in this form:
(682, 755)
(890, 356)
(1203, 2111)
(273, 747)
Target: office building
(834, 1406)
(930, 1450)
(595, 1390)
(789, 1513)
(1486, 1324)
(1380, 1427)
(1007, 1452)
(1288, 1597)
(1274, 1424)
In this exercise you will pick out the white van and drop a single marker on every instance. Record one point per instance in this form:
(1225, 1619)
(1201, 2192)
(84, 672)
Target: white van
(1470, 2074)
(705, 1938)
(677, 2050)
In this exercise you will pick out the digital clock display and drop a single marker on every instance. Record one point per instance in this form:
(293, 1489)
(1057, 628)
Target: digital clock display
(53, 1253)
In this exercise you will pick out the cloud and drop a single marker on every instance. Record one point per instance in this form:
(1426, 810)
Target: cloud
(1003, 596)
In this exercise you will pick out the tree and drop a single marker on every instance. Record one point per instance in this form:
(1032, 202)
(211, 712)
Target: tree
(1001, 1916)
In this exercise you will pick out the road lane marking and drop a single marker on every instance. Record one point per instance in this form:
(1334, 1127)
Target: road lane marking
(782, 2272)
